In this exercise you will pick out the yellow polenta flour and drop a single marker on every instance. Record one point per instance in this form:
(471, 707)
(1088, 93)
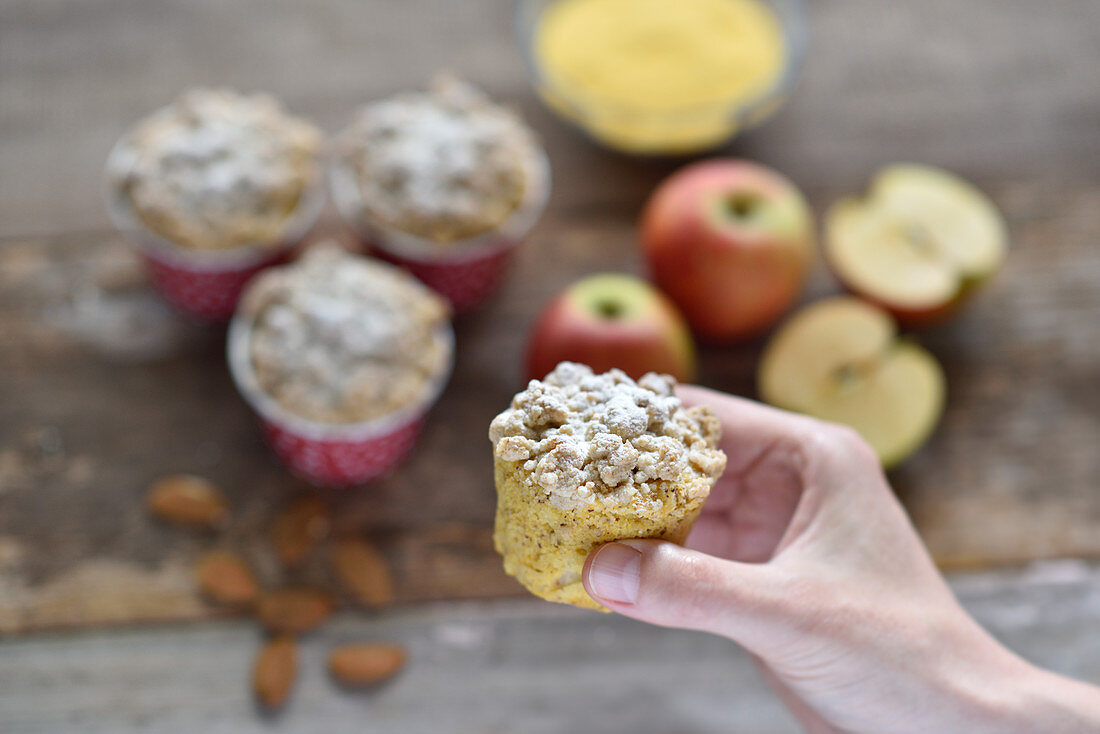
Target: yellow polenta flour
(658, 75)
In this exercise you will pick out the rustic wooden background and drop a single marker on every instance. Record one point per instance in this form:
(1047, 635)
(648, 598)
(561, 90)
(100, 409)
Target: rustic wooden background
(103, 389)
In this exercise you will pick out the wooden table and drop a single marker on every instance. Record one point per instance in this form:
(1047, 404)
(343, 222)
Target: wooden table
(103, 389)
(481, 669)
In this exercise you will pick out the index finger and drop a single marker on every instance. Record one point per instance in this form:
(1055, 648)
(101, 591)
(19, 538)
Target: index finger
(749, 428)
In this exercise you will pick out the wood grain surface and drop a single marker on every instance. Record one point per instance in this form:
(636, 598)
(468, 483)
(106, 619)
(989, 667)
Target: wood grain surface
(103, 389)
(481, 668)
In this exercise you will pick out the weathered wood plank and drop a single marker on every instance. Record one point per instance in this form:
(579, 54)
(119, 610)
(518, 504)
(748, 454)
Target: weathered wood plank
(482, 668)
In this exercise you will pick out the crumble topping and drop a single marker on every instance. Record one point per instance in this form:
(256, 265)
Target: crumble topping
(217, 169)
(445, 164)
(339, 338)
(584, 437)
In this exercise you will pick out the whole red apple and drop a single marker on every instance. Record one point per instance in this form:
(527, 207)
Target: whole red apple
(612, 320)
(731, 242)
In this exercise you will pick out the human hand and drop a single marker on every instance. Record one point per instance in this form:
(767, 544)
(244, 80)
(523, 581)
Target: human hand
(804, 556)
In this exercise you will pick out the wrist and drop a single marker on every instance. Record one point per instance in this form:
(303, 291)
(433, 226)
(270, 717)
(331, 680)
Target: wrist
(1005, 694)
(1061, 705)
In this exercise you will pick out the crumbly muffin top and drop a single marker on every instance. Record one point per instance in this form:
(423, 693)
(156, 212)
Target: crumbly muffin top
(445, 164)
(339, 338)
(585, 437)
(217, 169)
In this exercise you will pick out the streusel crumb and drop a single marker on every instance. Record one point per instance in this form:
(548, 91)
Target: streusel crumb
(585, 437)
(582, 459)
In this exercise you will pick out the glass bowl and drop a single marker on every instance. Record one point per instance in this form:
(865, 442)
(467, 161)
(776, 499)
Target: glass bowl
(681, 131)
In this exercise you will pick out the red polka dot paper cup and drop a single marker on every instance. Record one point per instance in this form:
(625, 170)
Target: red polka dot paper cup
(466, 272)
(328, 454)
(204, 284)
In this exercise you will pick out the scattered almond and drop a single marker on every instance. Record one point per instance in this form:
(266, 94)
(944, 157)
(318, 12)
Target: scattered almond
(225, 577)
(187, 500)
(363, 572)
(365, 664)
(294, 610)
(298, 529)
(274, 671)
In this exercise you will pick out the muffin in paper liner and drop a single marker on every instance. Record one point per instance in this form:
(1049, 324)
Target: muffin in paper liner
(341, 357)
(466, 273)
(581, 460)
(206, 284)
(202, 283)
(331, 455)
(466, 270)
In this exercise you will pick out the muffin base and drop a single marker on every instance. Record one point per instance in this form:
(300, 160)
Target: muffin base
(544, 547)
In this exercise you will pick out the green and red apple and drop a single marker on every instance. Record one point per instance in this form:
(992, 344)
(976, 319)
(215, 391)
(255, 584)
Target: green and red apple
(612, 320)
(919, 244)
(841, 360)
(731, 242)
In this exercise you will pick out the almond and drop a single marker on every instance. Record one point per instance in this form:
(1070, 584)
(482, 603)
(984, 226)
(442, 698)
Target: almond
(363, 572)
(187, 500)
(294, 610)
(298, 528)
(366, 663)
(225, 577)
(274, 671)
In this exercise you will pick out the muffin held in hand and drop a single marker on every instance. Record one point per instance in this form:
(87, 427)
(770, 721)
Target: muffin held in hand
(583, 459)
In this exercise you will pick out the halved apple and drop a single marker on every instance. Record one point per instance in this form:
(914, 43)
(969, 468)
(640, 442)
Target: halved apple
(918, 244)
(841, 360)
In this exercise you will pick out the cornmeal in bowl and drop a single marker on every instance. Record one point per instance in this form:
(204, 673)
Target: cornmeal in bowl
(583, 459)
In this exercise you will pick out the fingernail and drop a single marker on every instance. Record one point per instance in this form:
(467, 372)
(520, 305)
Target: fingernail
(615, 573)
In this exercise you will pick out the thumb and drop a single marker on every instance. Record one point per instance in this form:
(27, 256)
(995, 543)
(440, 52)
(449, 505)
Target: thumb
(663, 583)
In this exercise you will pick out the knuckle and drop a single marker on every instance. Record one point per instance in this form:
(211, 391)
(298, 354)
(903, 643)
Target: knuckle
(843, 442)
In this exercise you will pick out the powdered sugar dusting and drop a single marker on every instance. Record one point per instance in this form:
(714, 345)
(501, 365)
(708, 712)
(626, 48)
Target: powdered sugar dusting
(444, 165)
(585, 437)
(340, 339)
(217, 169)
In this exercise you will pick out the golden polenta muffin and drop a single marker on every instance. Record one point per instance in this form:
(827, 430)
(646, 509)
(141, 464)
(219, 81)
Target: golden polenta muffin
(583, 459)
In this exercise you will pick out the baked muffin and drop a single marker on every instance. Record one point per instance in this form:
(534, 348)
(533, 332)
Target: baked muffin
(216, 169)
(583, 459)
(337, 338)
(444, 165)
